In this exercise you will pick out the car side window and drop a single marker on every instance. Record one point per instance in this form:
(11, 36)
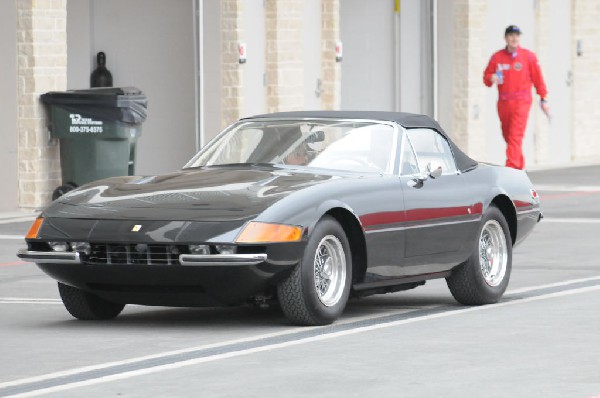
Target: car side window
(409, 165)
(431, 147)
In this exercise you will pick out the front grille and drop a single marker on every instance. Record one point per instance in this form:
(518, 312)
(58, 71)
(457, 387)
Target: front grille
(135, 254)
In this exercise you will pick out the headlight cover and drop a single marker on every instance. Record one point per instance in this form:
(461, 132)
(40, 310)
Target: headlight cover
(35, 228)
(260, 232)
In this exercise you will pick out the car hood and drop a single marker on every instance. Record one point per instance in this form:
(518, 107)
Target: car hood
(206, 194)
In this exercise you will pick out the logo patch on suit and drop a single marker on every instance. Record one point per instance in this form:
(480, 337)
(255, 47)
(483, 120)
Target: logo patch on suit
(518, 66)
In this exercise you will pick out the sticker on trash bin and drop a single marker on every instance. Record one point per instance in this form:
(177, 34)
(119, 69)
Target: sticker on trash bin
(85, 124)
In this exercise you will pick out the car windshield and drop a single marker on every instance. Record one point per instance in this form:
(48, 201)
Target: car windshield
(340, 145)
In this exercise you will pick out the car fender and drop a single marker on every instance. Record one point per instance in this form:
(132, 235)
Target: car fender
(331, 204)
(492, 194)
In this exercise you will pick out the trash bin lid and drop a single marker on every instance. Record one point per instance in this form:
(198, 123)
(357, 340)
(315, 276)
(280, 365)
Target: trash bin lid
(124, 104)
(102, 96)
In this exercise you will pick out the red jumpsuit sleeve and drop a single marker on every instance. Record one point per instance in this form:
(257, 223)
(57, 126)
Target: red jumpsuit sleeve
(489, 71)
(536, 76)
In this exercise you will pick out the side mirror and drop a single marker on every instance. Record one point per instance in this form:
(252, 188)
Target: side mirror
(435, 173)
(430, 172)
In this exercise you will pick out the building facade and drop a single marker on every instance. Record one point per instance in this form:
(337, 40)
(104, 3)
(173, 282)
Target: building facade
(423, 56)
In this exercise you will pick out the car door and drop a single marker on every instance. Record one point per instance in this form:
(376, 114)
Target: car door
(438, 210)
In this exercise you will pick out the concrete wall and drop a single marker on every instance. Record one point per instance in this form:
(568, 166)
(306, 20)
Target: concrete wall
(586, 84)
(445, 67)
(368, 66)
(313, 81)
(553, 145)
(8, 107)
(149, 44)
(211, 36)
(80, 60)
(331, 70)
(253, 34)
(413, 71)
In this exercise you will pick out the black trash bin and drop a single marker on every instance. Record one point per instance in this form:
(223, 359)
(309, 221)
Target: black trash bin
(97, 129)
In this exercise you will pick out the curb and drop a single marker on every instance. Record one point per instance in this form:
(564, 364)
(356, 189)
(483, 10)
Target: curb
(14, 217)
(570, 165)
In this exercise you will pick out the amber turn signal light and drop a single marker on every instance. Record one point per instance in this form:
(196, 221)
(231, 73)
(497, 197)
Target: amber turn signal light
(260, 232)
(35, 228)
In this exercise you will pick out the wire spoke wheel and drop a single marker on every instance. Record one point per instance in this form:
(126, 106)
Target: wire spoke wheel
(493, 253)
(483, 278)
(317, 289)
(330, 270)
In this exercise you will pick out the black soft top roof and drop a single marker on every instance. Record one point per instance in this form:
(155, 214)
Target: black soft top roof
(406, 120)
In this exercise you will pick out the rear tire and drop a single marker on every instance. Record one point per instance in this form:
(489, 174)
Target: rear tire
(317, 290)
(87, 306)
(483, 278)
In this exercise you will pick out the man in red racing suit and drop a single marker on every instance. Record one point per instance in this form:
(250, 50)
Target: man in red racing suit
(513, 69)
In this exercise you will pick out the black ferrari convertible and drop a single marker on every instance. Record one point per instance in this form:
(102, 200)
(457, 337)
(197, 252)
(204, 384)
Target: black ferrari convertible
(308, 208)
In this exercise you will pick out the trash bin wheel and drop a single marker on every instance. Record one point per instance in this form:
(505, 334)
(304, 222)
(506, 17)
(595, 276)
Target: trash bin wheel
(63, 189)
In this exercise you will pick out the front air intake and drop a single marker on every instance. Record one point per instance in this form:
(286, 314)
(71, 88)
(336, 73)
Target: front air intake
(148, 254)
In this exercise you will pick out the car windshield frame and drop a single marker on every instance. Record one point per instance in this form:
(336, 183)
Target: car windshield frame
(391, 168)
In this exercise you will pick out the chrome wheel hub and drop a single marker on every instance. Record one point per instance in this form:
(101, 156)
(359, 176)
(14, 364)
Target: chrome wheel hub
(493, 253)
(330, 270)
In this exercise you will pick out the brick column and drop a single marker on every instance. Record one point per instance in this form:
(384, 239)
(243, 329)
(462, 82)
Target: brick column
(41, 67)
(232, 100)
(586, 84)
(468, 125)
(330, 69)
(284, 48)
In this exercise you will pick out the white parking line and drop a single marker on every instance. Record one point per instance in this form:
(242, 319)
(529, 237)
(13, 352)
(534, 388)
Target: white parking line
(18, 300)
(550, 285)
(149, 369)
(568, 188)
(571, 220)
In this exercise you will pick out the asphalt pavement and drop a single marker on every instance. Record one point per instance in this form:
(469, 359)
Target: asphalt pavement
(541, 340)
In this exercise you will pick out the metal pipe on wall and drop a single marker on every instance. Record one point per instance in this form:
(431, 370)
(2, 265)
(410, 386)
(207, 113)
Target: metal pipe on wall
(434, 57)
(397, 94)
(199, 75)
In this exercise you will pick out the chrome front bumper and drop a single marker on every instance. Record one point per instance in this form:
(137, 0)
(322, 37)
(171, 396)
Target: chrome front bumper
(49, 257)
(221, 259)
(202, 260)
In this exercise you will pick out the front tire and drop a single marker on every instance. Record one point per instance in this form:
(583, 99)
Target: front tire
(317, 290)
(87, 306)
(483, 278)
